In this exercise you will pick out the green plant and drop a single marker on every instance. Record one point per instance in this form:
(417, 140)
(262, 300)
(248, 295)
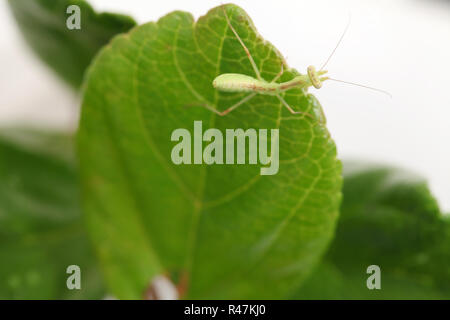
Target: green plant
(229, 231)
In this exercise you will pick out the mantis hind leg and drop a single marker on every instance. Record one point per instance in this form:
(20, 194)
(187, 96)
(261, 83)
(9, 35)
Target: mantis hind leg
(233, 107)
(290, 109)
(244, 100)
(252, 62)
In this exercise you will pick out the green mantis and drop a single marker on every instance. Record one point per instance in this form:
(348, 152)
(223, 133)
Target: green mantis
(235, 82)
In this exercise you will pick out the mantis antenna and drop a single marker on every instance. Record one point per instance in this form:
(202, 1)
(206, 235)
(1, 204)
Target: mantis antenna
(348, 82)
(360, 85)
(339, 42)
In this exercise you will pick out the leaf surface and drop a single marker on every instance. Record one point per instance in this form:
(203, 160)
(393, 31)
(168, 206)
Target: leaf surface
(41, 231)
(233, 232)
(389, 218)
(68, 52)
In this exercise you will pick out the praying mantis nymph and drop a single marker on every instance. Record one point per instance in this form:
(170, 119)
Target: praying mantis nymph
(235, 82)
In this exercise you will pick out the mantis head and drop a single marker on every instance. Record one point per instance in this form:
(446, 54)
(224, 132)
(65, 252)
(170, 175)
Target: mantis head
(315, 77)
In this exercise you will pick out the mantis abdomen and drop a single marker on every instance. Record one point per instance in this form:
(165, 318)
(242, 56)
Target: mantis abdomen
(235, 82)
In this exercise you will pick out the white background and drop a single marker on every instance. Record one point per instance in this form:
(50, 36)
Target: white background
(401, 46)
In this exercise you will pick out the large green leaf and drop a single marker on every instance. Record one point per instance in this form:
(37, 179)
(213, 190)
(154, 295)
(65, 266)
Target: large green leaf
(41, 232)
(68, 52)
(389, 218)
(235, 233)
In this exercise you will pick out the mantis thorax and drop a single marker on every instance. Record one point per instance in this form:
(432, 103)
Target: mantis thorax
(311, 78)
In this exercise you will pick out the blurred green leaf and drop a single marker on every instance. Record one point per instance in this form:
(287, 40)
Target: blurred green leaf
(68, 52)
(41, 231)
(236, 234)
(389, 218)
